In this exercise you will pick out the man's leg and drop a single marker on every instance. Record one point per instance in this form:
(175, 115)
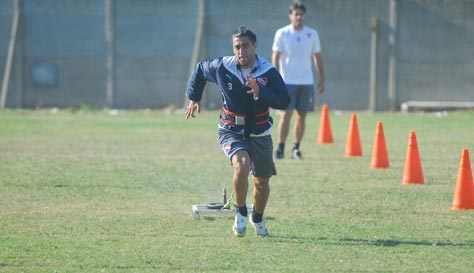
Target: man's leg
(283, 129)
(241, 163)
(300, 125)
(261, 192)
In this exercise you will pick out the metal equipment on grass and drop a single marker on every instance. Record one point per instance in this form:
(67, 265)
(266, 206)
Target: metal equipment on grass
(224, 208)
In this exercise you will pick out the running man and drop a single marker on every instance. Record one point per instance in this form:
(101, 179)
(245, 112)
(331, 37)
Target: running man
(249, 86)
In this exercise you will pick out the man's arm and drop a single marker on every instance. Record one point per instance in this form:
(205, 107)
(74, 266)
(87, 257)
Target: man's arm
(275, 93)
(276, 59)
(204, 71)
(318, 61)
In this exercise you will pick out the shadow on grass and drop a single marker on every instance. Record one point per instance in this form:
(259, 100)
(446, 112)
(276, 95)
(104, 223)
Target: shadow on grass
(378, 243)
(213, 218)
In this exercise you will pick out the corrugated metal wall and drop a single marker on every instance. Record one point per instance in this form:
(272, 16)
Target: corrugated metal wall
(60, 59)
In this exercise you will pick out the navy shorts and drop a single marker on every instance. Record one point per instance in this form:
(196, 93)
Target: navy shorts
(259, 148)
(302, 97)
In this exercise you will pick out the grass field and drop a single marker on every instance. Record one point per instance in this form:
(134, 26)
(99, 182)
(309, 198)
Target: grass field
(86, 191)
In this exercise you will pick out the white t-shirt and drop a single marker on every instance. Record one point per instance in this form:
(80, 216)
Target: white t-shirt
(297, 48)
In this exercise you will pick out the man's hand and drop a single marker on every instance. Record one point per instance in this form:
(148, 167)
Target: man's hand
(252, 84)
(321, 86)
(193, 106)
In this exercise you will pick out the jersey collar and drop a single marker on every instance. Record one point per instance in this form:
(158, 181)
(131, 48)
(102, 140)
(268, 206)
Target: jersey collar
(260, 66)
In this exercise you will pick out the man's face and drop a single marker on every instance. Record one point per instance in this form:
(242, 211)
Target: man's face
(297, 18)
(244, 50)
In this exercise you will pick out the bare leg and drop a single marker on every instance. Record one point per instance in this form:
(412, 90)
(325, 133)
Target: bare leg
(241, 163)
(300, 125)
(261, 192)
(283, 126)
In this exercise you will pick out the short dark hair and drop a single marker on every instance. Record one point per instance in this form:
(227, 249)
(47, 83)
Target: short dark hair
(297, 5)
(244, 31)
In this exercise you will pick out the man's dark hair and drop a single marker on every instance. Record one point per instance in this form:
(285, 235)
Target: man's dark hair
(297, 5)
(244, 31)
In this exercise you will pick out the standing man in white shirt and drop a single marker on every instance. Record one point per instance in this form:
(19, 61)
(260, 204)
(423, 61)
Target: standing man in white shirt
(295, 48)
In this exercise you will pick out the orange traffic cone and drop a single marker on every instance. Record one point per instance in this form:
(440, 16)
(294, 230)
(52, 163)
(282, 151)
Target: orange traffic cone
(379, 152)
(325, 133)
(464, 193)
(412, 173)
(353, 146)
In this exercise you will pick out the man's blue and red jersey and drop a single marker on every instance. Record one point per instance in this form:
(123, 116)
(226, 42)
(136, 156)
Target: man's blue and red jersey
(226, 73)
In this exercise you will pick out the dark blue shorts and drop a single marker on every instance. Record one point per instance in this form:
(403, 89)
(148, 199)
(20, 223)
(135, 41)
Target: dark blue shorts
(302, 97)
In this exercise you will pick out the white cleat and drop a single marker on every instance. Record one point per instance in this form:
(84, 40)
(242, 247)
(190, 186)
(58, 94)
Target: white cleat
(296, 154)
(260, 229)
(240, 225)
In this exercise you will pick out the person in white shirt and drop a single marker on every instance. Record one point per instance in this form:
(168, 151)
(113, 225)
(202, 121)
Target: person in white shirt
(294, 49)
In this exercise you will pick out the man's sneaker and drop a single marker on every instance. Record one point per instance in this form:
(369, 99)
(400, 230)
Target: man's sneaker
(296, 154)
(240, 225)
(260, 229)
(279, 154)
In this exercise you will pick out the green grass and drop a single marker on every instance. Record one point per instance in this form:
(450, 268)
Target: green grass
(89, 192)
